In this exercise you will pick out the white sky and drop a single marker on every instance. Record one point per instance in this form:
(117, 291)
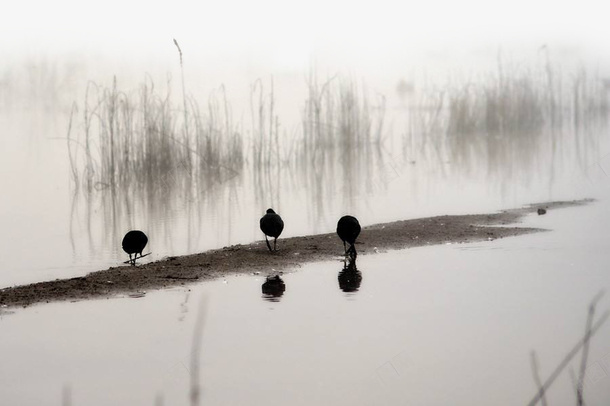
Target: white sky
(233, 25)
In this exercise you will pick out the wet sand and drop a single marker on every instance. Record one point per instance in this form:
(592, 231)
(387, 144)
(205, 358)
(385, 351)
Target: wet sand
(291, 254)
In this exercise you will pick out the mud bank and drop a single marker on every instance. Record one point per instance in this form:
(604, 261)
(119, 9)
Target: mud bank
(291, 254)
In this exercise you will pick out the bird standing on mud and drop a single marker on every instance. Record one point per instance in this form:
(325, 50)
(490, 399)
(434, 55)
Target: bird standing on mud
(348, 229)
(272, 226)
(134, 243)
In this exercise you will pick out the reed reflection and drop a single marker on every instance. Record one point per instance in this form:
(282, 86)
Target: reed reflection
(195, 183)
(350, 277)
(342, 149)
(514, 128)
(273, 288)
(182, 215)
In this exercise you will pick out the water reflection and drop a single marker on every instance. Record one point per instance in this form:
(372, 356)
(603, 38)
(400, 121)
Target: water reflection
(350, 277)
(273, 288)
(177, 215)
(503, 135)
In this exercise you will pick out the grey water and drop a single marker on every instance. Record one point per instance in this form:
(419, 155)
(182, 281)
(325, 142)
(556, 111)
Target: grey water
(434, 325)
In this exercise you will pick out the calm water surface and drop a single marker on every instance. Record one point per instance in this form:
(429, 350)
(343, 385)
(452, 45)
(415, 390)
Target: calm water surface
(437, 325)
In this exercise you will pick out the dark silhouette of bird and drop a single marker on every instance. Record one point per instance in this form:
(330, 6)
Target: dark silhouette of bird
(134, 243)
(348, 229)
(272, 226)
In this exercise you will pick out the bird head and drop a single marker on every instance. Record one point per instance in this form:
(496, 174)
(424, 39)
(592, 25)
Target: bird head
(270, 211)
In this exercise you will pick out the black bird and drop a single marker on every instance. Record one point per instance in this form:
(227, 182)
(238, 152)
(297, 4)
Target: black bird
(272, 226)
(348, 230)
(134, 243)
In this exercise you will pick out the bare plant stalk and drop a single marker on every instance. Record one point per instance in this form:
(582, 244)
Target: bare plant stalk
(271, 126)
(66, 396)
(585, 350)
(261, 123)
(195, 394)
(72, 158)
(184, 104)
(87, 128)
(567, 359)
(113, 125)
(574, 381)
(536, 374)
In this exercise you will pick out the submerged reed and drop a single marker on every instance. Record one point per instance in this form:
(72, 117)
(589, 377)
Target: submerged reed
(512, 102)
(338, 116)
(143, 139)
(138, 139)
(504, 121)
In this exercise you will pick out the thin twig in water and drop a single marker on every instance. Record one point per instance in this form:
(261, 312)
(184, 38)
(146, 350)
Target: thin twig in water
(184, 104)
(68, 139)
(574, 381)
(535, 372)
(195, 394)
(585, 350)
(66, 398)
(568, 358)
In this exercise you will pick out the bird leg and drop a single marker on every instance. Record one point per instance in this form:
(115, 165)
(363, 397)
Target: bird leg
(351, 251)
(345, 248)
(267, 241)
(274, 244)
(141, 256)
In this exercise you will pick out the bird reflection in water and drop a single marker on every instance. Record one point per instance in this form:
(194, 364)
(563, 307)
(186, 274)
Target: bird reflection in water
(273, 288)
(350, 277)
